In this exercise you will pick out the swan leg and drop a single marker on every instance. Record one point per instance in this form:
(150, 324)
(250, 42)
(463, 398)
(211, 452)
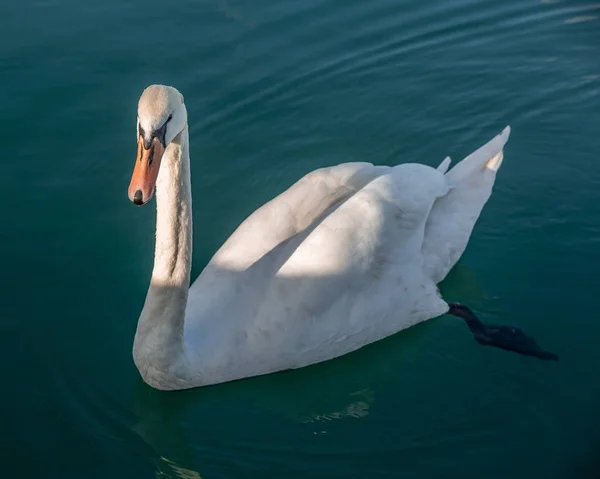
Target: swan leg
(508, 338)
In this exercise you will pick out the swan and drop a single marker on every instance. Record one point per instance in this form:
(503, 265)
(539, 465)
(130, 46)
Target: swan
(346, 256)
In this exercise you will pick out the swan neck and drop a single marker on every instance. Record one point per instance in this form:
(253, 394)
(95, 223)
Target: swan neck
(172, 255)
(158, 346)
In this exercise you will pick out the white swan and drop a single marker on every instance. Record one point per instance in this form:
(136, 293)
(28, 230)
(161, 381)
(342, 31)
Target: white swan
(346, 256)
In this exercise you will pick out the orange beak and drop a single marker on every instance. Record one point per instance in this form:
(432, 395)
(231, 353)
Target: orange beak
(145, 172)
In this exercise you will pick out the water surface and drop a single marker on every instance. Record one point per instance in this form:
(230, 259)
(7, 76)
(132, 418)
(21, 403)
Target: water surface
(274, 90)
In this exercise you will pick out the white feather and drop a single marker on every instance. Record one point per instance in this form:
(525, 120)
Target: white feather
(346, 256)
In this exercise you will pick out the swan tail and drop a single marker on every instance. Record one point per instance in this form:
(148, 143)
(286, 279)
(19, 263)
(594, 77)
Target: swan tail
(453, 217)
(487, 157)
(444, 165)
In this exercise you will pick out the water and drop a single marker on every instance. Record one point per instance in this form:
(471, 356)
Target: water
(274, 90)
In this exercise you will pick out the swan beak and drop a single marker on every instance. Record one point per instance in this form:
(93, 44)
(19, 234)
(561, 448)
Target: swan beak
(145, 171)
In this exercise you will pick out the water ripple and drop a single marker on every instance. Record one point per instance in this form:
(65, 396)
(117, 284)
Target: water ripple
(386, 38)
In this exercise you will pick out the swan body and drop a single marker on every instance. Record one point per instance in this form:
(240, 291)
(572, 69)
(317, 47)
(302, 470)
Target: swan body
(346, 256)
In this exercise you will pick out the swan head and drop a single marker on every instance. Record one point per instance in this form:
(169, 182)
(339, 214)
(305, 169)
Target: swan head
(161, 117)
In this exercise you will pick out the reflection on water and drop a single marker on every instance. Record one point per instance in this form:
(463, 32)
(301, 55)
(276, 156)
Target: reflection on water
(582, 18)
(169, 469)
(162, 429)
(356, 409)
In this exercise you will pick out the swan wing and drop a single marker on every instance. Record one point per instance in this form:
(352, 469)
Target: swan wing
(292, 211)
(234, 281)
(355, 278)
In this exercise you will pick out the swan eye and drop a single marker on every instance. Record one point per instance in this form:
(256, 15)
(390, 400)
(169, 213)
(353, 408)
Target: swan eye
(161, 133)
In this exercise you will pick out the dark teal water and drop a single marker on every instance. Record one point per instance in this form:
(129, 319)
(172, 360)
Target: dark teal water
(275, 89)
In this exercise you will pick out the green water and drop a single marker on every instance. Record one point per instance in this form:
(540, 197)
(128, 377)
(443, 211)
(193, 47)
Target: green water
(275, 89)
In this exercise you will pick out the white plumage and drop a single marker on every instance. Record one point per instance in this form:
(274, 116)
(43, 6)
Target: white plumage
(346, 256)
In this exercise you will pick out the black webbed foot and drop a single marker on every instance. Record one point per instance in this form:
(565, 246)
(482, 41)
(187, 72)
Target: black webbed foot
(508, 338)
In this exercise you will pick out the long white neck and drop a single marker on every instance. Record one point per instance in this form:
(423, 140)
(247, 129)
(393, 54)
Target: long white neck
(158, 349)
